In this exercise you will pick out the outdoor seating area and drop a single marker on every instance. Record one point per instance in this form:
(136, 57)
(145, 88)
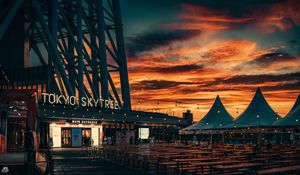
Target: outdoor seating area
(163, 158)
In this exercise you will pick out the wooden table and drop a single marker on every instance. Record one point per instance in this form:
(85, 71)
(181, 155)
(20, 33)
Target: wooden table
(187, 161)
(239, 166)
(295, 168)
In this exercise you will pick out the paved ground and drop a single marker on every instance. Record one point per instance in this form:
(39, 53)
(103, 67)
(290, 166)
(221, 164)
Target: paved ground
(74, 161)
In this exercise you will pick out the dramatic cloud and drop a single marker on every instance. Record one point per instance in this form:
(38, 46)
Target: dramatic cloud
(258, 79)
(156, 84)
(273, 57)
(284, 86)
(205, 48)
(180, 68)
(268, 16)
(153, 39)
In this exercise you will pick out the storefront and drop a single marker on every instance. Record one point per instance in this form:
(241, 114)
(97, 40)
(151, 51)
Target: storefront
(75, 134)
(72, 126)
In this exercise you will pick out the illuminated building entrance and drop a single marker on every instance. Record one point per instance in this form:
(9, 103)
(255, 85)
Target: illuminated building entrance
(16, 134)
(66, 137)
(86, 137)
(75, 135)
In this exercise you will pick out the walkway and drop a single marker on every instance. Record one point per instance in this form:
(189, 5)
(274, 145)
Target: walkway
(74, 161)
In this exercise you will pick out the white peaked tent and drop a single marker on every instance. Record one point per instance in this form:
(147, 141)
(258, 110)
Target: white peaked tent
(292, 118)
(216, 117)
(258, 113)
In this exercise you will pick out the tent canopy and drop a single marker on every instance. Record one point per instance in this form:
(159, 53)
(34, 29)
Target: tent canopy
(292, 118)
(258, 113)
(297, 103)
(216, 117)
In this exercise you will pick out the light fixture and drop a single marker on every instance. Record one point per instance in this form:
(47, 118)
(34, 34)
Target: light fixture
(257, 115)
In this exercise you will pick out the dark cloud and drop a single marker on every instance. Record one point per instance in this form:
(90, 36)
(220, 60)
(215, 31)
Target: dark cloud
(153, 39)
(250, 80)
(179, 68)
(256, 79)
(283, 86)
(270, 58)
(169, 69)
(156, 84)
(236, 8)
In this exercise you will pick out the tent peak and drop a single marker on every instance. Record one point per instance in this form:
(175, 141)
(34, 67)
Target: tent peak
(258, 90)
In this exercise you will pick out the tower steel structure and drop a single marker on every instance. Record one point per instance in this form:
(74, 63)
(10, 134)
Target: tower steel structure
(83, 41)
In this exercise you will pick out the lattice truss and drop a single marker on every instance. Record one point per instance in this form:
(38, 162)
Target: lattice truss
(83, 42)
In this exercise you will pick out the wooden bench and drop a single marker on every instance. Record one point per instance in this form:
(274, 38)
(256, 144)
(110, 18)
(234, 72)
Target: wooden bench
(287, 169)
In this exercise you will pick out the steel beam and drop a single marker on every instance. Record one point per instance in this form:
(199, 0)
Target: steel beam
(71, 61)
(75, 45)
(79, 51)
(52, 46)
(94, 65)
(9, 17)
(122, 56)
(102, 48)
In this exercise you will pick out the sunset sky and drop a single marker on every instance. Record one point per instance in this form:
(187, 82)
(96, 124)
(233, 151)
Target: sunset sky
(191, 51)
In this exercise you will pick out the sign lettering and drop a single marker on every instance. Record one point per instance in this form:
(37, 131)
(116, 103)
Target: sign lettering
(84, 101)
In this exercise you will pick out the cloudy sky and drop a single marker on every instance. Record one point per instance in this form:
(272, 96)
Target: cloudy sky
(182, 54)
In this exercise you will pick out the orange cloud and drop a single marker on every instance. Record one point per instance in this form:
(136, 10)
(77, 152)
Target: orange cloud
(189, 73)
